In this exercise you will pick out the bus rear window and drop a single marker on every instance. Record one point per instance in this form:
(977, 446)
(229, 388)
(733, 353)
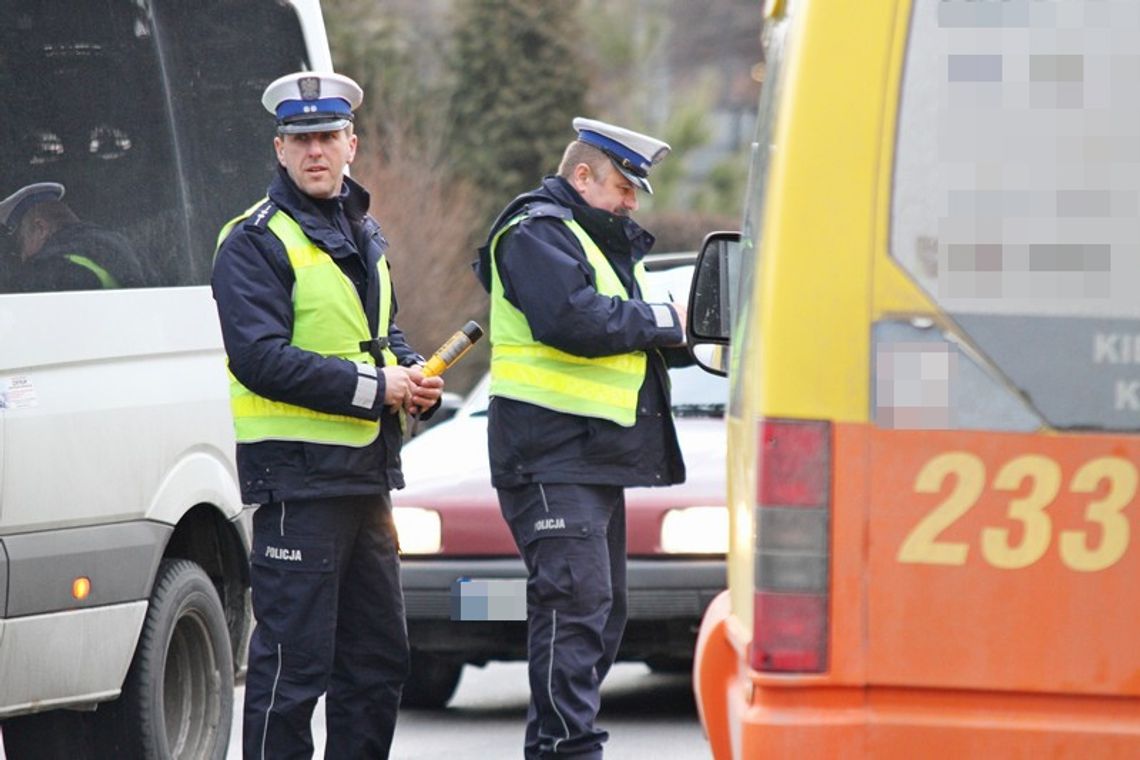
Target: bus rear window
(1016, 200)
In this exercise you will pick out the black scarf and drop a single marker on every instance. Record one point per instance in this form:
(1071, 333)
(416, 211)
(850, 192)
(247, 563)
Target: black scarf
(609, 231)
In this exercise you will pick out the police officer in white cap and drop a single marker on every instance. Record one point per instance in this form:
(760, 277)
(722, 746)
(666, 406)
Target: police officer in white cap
(580, 409)
(320, 376)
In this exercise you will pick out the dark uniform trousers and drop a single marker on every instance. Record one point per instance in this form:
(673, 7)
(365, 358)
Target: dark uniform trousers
(330, 619)
(572, 538)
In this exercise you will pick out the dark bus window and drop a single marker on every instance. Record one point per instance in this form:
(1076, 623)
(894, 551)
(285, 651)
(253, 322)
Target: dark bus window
(150, 117)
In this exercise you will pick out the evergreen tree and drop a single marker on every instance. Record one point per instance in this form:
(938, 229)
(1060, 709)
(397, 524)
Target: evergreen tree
(392, 54)
(519, 82)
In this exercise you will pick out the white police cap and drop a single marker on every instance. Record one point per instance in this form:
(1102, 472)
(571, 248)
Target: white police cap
(633, 153)
(13, 208)
(311, 101)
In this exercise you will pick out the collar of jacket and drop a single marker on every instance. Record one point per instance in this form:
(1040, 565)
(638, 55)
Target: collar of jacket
(306, 211)
(613, 234)
(618, 235)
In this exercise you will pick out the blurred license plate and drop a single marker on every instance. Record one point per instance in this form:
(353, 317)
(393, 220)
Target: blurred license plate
(488, 599)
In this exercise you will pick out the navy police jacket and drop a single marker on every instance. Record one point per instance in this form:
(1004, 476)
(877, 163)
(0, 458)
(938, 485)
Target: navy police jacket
(51, 269)
(252, 283)
(546, 275)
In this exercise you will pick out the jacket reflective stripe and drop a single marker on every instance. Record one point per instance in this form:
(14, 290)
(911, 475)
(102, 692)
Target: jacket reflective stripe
(522, 368)
(106, 279)
(328, 319)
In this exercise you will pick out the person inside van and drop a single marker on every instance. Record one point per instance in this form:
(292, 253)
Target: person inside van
(56, 250)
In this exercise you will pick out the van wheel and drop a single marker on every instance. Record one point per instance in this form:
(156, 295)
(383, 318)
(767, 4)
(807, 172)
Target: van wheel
(432, 681)
(177, 701)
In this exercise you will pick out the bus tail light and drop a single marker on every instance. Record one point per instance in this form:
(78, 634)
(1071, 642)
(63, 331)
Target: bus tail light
(793, 547)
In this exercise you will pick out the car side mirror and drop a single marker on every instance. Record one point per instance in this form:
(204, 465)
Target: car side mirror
(711, 302)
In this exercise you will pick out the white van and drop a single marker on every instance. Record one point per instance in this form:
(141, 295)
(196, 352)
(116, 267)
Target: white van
(123, 541)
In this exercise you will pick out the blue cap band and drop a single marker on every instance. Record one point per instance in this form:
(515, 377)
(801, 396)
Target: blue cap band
(310, 109)
(628, 159)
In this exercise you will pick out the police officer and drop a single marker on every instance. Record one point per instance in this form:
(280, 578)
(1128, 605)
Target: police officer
(579, 410)
(321, 375)
(58, 251)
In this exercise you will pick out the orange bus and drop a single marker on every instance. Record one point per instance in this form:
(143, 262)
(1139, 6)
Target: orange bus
(931, 326)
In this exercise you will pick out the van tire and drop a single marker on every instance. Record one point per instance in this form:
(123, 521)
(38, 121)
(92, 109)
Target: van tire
(432, 681)
(177, 701)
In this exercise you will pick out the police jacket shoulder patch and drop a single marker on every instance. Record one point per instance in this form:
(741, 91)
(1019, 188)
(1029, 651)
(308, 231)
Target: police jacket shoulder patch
(258, 221)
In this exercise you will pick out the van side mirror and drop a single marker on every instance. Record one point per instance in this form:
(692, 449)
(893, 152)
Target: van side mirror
(711, 300)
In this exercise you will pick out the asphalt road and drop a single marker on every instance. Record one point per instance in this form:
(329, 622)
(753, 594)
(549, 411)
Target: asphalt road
(648, 715)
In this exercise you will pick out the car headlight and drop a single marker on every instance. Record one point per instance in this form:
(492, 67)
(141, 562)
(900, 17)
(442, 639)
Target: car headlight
(695, 530)
(420, 530)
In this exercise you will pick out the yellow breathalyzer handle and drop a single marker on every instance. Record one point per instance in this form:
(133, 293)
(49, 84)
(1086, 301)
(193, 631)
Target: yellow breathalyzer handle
(452, 349)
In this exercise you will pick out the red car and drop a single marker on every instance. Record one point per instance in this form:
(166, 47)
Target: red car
(464, 583)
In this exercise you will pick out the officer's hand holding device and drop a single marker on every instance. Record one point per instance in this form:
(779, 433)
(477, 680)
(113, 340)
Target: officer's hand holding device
(445, 356)
(426, 390)
(399, 385)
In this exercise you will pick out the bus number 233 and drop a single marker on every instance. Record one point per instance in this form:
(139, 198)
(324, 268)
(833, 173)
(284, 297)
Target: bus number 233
(1080, 550)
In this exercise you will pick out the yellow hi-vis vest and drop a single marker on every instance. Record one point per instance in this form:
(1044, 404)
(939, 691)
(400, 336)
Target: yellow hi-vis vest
(328, 319)
(524, 369)
(106, 279)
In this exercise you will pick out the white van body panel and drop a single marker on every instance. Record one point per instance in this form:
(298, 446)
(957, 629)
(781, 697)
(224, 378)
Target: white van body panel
(143, 372)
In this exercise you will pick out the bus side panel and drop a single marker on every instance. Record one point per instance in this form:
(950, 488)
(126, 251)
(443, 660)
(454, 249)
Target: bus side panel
(809, 723)
(716, 677)
(1004, 562)
(907, 723)
(848, 616)
(900, 683)
(792, 720)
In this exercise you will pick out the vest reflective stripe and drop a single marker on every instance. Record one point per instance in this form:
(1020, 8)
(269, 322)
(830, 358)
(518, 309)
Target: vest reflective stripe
(522, 368)
(105, 278)
(329, 320)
